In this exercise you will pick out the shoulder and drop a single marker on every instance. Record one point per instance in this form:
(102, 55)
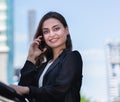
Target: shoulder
(73, 55)
(76, 52)
(72, 60)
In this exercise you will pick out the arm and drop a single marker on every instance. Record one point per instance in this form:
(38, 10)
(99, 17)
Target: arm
(29, 71)
(70, 71)
(28, 74)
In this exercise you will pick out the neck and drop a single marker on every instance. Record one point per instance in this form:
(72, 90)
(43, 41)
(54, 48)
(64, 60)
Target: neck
(57, 52)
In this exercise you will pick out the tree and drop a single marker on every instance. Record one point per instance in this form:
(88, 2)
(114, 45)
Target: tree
(84, 99)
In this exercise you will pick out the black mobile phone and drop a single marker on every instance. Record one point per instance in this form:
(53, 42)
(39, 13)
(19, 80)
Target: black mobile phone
(42, 45)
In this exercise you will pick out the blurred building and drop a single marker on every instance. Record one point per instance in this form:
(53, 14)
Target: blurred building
(113, 71)
(6, 41)
(31, 24)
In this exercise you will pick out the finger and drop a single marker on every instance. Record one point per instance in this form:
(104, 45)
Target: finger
(34, 43)
(44, 50)
(39, 37)
(37, 41)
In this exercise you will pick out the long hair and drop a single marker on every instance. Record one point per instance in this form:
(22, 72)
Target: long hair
(48, 53)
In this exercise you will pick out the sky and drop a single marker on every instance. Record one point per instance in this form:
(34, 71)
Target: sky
(92, 23)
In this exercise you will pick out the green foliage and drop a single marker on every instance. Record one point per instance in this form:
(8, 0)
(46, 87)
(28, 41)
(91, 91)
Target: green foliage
(84, 99)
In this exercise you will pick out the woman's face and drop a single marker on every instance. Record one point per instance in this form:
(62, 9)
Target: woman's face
(55, 34)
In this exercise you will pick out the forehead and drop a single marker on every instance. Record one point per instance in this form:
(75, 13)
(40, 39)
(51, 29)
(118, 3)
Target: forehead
(51, 22)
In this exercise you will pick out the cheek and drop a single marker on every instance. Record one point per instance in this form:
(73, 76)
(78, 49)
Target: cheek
(65, 33)
(64, 36)
(45, 38)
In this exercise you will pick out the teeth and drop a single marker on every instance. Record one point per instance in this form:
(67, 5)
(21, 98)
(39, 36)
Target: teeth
(53, 40)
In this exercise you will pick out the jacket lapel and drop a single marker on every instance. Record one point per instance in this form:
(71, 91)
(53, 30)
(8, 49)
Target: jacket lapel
(52, 66)
(60, 57)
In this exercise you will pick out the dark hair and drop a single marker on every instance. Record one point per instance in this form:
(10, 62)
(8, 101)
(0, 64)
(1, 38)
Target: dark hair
(48, 54)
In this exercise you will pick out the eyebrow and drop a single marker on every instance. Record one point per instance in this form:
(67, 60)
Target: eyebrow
(55, 25)
(52, 27)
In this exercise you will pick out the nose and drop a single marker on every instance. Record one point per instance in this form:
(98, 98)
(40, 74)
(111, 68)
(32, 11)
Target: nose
(52, 33)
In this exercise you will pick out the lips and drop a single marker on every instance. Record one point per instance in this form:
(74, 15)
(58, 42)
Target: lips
(53, 40)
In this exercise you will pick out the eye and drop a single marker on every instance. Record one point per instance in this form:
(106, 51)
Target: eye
(45, 32)
(56, 28)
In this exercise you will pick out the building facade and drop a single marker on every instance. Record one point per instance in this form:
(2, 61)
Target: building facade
(6, 41)
(113, 71)
(31, 24)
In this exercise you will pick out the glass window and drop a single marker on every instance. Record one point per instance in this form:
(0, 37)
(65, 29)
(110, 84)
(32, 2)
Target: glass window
(2, 22)
(3, 12)
(2, 33)
(2, 43)
(3, 1)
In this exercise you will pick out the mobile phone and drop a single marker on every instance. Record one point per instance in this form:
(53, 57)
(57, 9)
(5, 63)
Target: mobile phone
(42, 45)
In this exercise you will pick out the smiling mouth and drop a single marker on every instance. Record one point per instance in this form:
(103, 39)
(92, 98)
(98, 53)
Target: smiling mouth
(53, 40)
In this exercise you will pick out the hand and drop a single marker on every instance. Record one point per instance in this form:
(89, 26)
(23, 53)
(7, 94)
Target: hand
(34, 50)
(21, 90)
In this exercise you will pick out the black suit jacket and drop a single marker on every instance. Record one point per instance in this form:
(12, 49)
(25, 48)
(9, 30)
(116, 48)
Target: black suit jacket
(61, 82)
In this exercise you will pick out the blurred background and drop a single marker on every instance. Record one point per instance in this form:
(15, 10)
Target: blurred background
(95, 31)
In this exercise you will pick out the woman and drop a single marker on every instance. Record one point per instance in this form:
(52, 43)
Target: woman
(52, 73)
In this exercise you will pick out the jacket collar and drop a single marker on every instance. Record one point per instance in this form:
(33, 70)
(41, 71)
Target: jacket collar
(60, 57)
